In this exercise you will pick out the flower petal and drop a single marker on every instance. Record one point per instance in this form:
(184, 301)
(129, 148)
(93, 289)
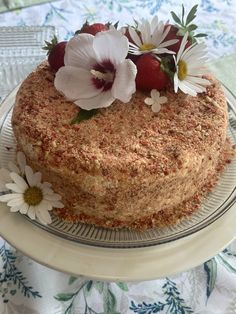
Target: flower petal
(135, 37)
(29, 175)
(79, 51)
(52, 197)
(8, 197)
(31, 212)
(182, 46)
(19, 180)
(21, 161)
(57, 204)
(104, 99)
(24, 208)
(186, 89)
(13, 168)
(156, 107)
(16, 201)
(15, 188)
(176, 82)
(75, 83)
(149, 101)
(43, 216)
(163, 100)
(124, 84)
(14, 209)
(111, 45)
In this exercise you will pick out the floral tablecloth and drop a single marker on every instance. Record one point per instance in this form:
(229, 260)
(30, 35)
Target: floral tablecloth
(29, 288)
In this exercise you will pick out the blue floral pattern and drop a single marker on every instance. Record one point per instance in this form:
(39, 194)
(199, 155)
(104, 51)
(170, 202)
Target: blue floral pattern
(29, 288)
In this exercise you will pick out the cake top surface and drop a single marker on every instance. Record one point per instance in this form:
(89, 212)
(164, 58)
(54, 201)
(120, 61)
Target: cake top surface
(123, 137)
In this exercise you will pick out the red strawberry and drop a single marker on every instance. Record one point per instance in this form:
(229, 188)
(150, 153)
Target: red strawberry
(56, 53)
(150, 75)
(56, 56)
(92, 29)
(173, 35)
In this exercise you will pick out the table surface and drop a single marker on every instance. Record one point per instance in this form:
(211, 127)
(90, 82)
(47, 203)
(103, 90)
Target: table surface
(30, 288)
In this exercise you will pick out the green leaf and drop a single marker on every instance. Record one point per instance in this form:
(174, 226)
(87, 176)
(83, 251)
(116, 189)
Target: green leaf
(201, 35)
(99, 285)
(64, 296)
(182, 14)
(109, 303)
(72, 279)
(84, 115)
(176, 18)
(191, 27)
(123, 286)
(192, 14)
(211, 270)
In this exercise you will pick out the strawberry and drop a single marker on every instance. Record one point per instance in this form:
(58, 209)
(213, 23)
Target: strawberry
(150, 75)
(56, 53)
(173, 35)
(92, 29)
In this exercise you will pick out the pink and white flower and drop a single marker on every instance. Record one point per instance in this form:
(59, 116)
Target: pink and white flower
(96, 71)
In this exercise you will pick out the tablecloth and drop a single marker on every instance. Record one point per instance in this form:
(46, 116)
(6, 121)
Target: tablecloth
(27, 287)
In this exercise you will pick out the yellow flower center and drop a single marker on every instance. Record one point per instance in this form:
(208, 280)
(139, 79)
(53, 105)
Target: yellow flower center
(182, 70)
(147, 47)
(33, 195)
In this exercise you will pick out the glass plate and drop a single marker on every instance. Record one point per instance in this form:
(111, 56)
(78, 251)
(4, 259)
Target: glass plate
(216, 204)
(20, 52)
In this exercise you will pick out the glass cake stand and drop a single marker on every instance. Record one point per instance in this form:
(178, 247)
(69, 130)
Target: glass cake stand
(106, 254)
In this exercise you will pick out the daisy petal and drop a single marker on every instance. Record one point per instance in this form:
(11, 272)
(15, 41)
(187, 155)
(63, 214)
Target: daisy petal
(16, 201)
(75, 83)
(79, 51)
(53, 197)
(176, 82)
(186, 89)
(15, 188)
(111, 45)
(19, 180)
(104, 99)
(135, 37)
(182, 46)
(21, 161)
(24, 208)
(57, 204)
(9, 197)
(29, 175)
(13, 168)
(43, 216)
(198, 80)
(31, 212)
(124, 83)
(14, 209)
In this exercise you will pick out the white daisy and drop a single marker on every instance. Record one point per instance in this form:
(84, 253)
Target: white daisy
(96, 71)
(18, 168)
(149, 38)
(156, 100)
(190, 68)
(31, 196)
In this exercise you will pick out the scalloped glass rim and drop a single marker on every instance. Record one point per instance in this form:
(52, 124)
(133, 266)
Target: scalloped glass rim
(216, 204)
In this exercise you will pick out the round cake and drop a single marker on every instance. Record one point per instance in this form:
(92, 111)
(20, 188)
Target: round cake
(126, 166)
